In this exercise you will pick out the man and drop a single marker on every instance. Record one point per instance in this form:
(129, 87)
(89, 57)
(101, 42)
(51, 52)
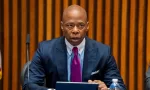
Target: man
(148, 79)
(73, 57)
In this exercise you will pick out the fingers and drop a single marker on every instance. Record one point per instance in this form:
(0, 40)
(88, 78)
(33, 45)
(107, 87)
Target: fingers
(101, 86)
(90, 81)
(98, 81)
(95, 81)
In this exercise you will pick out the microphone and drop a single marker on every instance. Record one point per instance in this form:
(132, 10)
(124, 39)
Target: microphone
(28, 39)
(27, 46)
(27, 51)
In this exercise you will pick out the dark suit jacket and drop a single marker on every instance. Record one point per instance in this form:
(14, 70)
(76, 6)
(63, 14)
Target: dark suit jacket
(50, 61)
(148, 79)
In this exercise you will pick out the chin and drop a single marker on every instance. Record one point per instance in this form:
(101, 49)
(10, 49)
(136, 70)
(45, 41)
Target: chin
(75, 43)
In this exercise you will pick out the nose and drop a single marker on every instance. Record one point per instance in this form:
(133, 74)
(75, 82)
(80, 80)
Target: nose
(75, 30)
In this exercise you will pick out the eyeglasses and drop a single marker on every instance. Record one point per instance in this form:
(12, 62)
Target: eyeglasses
(71, 26)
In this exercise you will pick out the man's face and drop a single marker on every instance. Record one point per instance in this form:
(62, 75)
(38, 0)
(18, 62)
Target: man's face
(74, 27)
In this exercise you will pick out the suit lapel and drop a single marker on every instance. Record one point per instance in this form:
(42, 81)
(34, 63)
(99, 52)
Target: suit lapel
(89, 63)
(61, 59)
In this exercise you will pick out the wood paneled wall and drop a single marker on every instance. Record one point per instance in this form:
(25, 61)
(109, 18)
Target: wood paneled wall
(122, 24)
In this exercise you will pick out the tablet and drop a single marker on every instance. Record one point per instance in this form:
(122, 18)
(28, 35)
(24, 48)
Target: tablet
(76, 86)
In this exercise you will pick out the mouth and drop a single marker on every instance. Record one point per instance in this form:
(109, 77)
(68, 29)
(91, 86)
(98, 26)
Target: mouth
(75, 39)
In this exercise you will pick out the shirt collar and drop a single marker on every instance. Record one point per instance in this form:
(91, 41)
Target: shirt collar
(80, 47)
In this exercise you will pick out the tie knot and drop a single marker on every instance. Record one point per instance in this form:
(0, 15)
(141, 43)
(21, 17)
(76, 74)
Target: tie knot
(75, 50)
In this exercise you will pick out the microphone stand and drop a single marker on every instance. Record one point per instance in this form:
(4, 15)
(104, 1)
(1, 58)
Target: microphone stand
(27, 56)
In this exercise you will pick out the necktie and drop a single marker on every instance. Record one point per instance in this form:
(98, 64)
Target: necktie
(75, 67)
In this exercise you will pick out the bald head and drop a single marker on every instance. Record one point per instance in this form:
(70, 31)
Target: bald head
(74, 11)
(74, 24)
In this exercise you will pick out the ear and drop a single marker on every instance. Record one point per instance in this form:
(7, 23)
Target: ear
(87, 26)
(61, 25)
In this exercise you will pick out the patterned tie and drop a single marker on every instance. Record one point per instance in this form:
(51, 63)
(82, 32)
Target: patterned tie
(75, 67)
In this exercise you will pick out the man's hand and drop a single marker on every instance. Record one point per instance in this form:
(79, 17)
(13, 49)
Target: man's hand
(101, 86)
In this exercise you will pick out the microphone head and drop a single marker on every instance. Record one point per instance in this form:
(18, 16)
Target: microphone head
(28, 39)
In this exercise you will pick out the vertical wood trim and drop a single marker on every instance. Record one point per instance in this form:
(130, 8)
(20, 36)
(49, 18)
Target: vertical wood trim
(6, 45)
(99, 21)
(140, 43)
(41, 19)
(115, 29)
(57, 18)
(123, 39)
(83, 4)
(132, 45)
(49, 20)
(107, 22)
(148, 35)
(90, 17)
(15, 46)
(65, 5)
(23, 32)
(32, 28)
(74, 1)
